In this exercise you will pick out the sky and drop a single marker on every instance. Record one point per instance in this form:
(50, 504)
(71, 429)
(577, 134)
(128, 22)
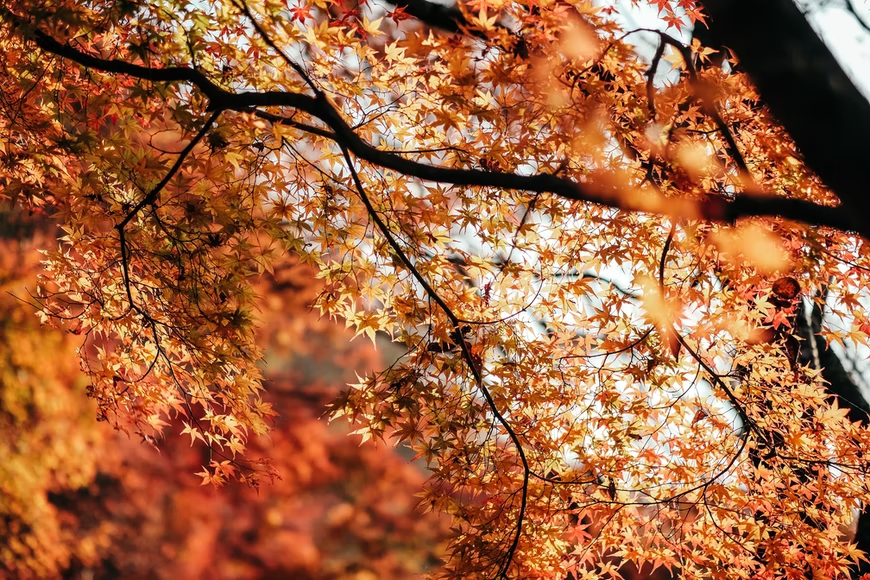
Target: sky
(844, 35)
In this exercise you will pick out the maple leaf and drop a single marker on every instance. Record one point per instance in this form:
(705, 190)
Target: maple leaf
(662, 5)
(674, 21)
(398, 14)
(300, 13)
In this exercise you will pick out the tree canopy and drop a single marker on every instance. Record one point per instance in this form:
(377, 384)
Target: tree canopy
(616, 273)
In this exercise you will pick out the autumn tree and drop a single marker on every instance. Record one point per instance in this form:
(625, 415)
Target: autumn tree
(615, 285)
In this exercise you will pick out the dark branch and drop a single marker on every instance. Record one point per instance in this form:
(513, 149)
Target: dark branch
(816, 353)
(447, 18)
(709, 107)
(154, 193)
(241, 5)
(850, 8)
(467, 356)
(714, 208)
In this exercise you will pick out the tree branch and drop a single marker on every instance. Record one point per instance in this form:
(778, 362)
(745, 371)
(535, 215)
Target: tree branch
(850, 8)
(447, 18)
(152, 195)
(714, 208)
(467, 356)
(816, 353)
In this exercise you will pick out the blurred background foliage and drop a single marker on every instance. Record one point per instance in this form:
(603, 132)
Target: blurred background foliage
(78, 500)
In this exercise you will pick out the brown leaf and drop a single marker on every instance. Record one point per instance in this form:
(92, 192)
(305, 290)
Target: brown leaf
(787, 288)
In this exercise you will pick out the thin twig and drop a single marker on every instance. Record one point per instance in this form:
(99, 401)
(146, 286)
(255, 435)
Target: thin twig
(464, 347)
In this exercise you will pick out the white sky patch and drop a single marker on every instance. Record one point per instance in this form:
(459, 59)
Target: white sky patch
(844, 35)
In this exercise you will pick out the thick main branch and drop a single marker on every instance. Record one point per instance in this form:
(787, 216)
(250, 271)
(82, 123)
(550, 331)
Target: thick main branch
(714, 208)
